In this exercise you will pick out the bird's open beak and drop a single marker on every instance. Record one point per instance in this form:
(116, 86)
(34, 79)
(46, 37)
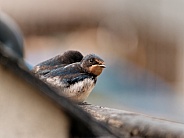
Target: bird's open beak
(103, 66)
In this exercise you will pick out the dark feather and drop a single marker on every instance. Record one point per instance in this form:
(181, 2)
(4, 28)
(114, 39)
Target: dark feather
(66, 58)
(62, 71)
(74, 78)
(58, 61)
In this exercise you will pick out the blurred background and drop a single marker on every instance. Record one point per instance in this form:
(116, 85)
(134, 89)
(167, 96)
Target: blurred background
(140, 41)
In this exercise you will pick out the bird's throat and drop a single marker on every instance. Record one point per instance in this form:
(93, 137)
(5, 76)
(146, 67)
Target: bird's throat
(95, 69)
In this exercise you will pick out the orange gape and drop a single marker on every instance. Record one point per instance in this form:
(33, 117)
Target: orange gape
(96, 69)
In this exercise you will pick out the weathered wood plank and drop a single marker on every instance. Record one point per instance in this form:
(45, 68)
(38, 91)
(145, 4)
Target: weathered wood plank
(130, 124)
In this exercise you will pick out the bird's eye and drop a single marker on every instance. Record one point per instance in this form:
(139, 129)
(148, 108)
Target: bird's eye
(91, 60)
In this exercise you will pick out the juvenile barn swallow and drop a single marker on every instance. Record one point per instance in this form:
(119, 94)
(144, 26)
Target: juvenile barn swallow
(58, 61)
(75, 80)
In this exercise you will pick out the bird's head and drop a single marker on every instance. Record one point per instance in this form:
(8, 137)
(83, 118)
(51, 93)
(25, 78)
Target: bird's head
(93, 64)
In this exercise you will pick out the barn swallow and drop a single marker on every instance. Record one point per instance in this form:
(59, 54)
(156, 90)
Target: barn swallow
(76, 80)
(58, 61)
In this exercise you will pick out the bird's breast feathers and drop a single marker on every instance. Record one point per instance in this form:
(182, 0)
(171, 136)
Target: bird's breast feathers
(77, 89)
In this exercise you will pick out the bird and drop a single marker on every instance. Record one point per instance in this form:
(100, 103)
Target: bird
(74, 78)
(66, 58)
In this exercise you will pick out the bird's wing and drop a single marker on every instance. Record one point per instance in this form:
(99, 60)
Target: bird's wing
(43, 70)
(62, 60)
(52, 61)
(62, 71)
(46, 66)
(63, 74)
